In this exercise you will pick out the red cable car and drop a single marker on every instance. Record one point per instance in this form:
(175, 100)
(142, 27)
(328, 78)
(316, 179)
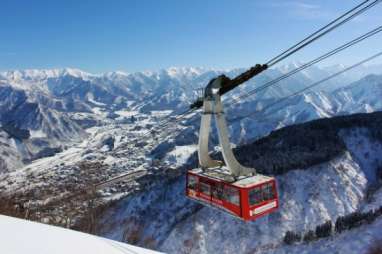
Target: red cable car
(229, 186)
(247, 198)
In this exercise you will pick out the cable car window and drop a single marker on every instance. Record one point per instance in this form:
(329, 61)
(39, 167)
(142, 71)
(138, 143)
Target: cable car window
(232, 195)
(192, 182)
(217, 191)
(267, 191)
(272, 191)
(255, 196)
(205, 188)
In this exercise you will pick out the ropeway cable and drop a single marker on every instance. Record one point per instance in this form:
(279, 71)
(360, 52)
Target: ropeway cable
(290, 73)
(308, 64)
(349, 15)
(306, 88)
(323, 31)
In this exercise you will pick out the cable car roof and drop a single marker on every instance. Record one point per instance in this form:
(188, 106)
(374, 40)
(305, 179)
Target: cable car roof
(250, 181)
(222, 175)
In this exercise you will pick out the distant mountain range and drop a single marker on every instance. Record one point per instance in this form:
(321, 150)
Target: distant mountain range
(56, 106)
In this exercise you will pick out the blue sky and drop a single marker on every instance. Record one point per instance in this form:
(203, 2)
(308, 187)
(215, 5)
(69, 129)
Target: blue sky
(134, 35)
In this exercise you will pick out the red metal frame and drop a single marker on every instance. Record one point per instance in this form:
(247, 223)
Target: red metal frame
(243, 210)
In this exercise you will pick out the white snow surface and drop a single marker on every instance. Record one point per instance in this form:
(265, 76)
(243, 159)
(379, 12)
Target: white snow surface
(179, 155)
(23, 237)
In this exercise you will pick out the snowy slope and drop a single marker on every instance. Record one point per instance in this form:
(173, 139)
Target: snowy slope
(307, 198)
(163, 218)
(22, 237)
(109, 116)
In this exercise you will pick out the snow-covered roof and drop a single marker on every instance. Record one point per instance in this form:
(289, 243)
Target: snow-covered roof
(25, 237)
(222, 174)
(252, 180)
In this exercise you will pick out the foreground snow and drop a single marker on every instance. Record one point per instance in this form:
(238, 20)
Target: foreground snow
(22, 237)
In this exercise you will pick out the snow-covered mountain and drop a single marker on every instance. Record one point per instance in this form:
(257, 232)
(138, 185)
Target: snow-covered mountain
(362, 96)
(316, 184)
(56, 106)
(64, 130)
(318, 181)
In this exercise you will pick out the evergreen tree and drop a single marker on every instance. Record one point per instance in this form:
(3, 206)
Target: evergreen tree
(324, 230)
(309, 236)
(291, 237)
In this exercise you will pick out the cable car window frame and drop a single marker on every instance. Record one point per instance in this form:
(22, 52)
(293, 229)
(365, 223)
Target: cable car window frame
(192, 182)
(231, 195)
(217, 191)
(255, 196)
(202, 189)
(267, 190)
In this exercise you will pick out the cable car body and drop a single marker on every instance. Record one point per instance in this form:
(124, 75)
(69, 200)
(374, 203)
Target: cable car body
(227, 185)
(247, 198)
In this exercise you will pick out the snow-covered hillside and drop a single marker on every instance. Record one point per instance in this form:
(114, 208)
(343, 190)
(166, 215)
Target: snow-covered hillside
(362, 96)
(309, 196)
(153, 212)
(62, 131)
(56, 106)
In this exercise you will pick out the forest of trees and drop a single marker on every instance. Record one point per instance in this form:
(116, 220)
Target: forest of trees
(326, 229)
(303, 145)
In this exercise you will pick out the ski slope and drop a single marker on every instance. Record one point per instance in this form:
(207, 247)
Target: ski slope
(25, 237)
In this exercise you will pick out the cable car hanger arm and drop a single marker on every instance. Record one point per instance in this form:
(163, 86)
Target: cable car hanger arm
(228, 84)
